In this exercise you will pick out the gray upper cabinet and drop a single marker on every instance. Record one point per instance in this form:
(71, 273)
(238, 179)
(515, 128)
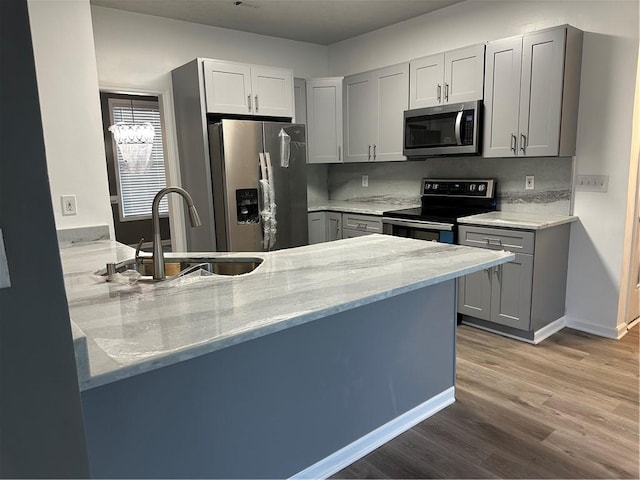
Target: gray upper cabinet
(300, 100)
(243, 89)
(450, 77)
(531, 102)
(324, 120)
(374, 105)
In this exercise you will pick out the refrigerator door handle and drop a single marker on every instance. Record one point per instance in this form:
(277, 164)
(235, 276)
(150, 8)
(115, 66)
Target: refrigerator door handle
(264, 209)
(273, 229)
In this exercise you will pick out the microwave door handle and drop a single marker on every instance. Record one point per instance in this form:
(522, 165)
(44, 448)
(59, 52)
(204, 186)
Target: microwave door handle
(458, 128)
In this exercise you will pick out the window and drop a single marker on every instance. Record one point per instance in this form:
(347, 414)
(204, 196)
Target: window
(136, 191)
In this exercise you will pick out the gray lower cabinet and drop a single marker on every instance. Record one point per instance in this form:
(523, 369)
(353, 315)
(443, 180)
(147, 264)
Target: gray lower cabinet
(324, 227)
(329, 226)
(356, 225)
(525, 294)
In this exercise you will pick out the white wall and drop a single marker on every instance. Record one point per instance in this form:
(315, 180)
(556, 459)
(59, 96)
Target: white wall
(604, 125)
(136, 53)
(71, 120)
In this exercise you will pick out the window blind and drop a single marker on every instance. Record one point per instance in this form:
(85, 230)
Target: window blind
(138, 189)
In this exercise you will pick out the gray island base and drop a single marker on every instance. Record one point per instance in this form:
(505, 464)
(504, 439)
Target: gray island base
(300, 396)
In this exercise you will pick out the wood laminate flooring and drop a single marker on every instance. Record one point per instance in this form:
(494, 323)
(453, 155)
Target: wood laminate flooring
(566, 408)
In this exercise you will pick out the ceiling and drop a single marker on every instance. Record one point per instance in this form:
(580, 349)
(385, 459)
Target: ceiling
(323, 22)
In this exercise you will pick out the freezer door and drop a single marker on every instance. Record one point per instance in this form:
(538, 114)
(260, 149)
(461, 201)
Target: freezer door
(286, 144)
(235, 175)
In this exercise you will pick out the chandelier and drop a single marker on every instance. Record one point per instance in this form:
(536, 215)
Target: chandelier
(135, 142)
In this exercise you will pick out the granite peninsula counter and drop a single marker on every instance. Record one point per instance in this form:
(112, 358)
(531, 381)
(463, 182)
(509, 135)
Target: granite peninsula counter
(276, 372)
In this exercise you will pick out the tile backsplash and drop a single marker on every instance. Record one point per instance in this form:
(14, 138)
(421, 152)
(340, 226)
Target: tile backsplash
(399, 182)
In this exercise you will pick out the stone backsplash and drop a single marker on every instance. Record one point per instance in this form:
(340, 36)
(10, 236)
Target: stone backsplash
(399, 182)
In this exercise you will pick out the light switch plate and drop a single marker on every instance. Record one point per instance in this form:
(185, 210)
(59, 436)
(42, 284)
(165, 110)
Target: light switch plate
(592, 183)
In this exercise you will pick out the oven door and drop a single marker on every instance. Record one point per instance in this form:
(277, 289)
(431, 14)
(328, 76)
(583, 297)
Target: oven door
(418, 229)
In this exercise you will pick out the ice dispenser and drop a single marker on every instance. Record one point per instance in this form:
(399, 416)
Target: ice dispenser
(247, 205)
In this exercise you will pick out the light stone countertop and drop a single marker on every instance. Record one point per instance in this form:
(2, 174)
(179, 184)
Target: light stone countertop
(131, 329)
(525, 221)
(363, 208)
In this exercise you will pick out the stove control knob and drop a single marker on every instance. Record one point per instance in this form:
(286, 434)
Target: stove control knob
(481, 187)
(427, 186)
(472, 187)
(435, 186)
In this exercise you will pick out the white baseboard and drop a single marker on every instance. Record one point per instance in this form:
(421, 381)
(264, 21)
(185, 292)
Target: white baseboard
(381, 435)
(615, 333)
(548, 330)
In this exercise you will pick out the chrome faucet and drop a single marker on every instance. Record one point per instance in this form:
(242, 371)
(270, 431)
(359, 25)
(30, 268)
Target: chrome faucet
(158, 254)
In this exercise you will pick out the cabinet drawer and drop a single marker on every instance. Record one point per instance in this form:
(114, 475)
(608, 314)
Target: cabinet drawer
(348, 233)
(362, 223)
(516, 241)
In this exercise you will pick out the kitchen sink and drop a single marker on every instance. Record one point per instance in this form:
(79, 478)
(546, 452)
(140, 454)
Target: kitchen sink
(179, 266)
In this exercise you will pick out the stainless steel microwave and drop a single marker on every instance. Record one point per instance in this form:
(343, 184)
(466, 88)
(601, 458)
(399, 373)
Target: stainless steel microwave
(444, 130)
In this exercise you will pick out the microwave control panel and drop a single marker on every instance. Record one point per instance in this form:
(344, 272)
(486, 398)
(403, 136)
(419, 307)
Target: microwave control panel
(467, 128)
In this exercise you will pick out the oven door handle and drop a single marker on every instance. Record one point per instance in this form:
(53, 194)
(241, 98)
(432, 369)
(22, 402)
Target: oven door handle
(420, 225)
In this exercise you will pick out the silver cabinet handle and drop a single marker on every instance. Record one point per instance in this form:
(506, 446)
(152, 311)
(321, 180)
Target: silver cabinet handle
(523, 144)
(514, 141)
(446, 92)
(249, 102)
(256, 97)
(374, 152)
(369, 155)
(439, 93)
(339, 154)
(497, 270)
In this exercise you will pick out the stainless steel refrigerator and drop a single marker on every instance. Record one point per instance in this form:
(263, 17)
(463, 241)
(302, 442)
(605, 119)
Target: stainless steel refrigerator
(258, 186)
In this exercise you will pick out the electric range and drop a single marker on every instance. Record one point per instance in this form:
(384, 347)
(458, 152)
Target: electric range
(443, 201)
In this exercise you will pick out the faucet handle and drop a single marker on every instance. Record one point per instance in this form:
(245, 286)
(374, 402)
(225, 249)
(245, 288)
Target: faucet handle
(138, 250)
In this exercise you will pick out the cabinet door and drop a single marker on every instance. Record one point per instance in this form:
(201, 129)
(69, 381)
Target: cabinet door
(317, 227)
(227, 87)
(334, 226)
(272, 90)
(426, 76)
(501, 97)
(391, 99)
(541, 93)
(511, 290)
(324, 120)
(464, 74)
(358, 118)
(300, 100)
(474, 294)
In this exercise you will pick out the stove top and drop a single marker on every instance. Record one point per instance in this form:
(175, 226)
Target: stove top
(445, 200)
(435, 214)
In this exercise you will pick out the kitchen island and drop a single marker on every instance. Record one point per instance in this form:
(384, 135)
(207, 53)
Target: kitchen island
(299, 367)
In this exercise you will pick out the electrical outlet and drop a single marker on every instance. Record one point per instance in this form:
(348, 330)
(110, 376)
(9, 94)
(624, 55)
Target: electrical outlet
(592, 183)
(529, 182)
(365, 180)
(69, 206)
